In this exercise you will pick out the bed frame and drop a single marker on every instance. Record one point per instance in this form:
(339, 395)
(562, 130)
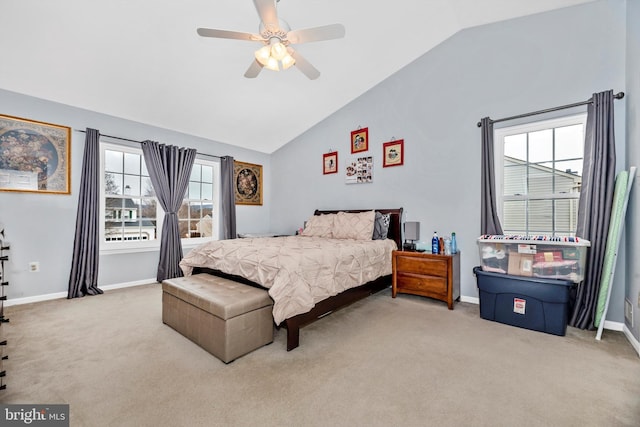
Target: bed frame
(331, 304)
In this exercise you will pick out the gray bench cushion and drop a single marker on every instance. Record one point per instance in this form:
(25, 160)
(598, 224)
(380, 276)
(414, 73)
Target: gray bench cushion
(221, 297)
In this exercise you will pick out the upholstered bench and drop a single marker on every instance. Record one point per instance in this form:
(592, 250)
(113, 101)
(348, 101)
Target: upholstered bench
(226, 318)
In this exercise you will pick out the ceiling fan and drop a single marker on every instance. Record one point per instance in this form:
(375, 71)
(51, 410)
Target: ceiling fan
(277, 38)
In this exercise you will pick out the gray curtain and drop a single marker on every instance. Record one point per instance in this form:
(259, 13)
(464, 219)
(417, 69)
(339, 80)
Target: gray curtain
(227, 198)
(83, 279)
(489, 221)
(596, 199)
(169, 169)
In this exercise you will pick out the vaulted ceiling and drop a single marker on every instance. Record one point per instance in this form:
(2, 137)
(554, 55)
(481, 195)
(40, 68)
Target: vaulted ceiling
(142, 59)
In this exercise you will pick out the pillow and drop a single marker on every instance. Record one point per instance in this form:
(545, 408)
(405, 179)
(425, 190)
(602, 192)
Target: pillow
(319, 226)
(381, 226)
(357, 226)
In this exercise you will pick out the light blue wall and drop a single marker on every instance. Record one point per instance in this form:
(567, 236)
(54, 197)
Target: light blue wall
(633, 156)
(496, 70)
(40, 227)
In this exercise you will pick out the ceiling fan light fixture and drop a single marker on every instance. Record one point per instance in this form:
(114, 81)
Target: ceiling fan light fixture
(278, 50)
(274, 55)
(272, 64)
(263, 55)
(287, 61)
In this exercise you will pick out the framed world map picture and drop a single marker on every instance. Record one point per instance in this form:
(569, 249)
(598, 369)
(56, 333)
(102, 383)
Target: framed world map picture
(247, 183)
(34, 156)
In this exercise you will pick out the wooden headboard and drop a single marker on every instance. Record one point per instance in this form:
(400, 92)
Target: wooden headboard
(395, 223)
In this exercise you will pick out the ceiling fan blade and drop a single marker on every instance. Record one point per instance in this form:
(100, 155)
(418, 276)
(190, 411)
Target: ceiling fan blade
(268, 14)
(253, 70)
(304, 65)
(326, 32)
(224, 34)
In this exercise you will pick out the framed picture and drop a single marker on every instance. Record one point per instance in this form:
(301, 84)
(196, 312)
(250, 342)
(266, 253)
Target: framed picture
(34, 156)
(359, 140)
(393, 153)
(359, 170)
(330, 163)
(248, 183)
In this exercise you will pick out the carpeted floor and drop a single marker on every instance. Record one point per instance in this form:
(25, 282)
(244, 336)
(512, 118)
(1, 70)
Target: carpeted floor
(380, 362)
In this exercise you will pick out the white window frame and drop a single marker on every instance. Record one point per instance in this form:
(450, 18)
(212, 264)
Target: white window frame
(498, 150)
(215, 232)
(132, 246)
(124, 246)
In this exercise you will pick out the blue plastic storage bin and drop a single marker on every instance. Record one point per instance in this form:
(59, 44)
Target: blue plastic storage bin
(531, 303)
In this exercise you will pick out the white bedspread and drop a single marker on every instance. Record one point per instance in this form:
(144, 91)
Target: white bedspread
(299, 271)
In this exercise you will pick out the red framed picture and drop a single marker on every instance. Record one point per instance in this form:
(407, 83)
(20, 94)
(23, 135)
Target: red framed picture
(359, 140)
(393, 153)
(330, 163)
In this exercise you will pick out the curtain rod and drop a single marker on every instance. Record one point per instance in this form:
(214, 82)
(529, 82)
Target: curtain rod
(140, 142)
(618, 95)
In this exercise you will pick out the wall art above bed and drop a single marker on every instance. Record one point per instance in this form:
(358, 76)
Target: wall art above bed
(359, 140)
(247, 183)
(393, 152)
(330, 162)
(359, 170)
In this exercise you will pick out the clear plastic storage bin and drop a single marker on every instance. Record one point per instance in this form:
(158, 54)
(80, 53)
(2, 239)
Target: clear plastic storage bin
(543, 257)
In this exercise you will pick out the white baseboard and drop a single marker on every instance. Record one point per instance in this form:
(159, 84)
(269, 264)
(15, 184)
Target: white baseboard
(471, 300)
(613, 326)
(36, 298)
(634, 342)
(128, 284)
(59, 295)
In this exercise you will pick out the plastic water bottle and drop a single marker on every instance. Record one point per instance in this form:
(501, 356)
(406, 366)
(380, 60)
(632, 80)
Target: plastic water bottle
(454, 244)
(435, 243)
(447, 246)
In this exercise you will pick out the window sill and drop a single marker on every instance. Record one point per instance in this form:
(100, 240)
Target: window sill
(119, 251)
(189, 244)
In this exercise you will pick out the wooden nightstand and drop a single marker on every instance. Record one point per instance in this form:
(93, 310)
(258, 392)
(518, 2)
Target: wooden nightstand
(428, 275)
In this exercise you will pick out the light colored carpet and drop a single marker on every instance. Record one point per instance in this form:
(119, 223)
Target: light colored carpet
(380, 362)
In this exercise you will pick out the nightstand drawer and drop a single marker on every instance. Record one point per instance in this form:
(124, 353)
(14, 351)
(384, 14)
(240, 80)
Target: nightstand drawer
(422, 285)
(425, 274)
(424, 266)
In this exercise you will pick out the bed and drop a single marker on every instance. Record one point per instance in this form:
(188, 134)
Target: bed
(311, 275)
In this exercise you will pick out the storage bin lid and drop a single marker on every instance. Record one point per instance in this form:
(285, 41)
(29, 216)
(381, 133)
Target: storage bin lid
(540, 239)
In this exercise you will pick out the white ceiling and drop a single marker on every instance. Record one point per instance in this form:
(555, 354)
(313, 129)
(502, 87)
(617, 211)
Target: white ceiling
(142, 59)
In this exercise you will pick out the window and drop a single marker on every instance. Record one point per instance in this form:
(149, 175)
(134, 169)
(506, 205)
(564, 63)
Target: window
(132, 214)
(538, 175)
(195, 217)
(130, 205)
